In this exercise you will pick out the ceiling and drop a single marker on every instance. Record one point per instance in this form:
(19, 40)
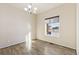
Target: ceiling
(42, 7)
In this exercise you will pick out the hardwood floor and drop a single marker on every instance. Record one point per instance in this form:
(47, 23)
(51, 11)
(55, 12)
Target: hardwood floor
(38, 48)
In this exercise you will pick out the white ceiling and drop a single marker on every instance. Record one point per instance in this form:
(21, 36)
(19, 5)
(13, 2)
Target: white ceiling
(42, 7)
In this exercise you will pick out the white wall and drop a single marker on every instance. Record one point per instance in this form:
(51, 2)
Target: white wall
(67, 14)
(34, 28)
(77, 29)
(14, 25)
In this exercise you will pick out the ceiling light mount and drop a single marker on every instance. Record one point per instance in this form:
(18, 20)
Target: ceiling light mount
(30, 9)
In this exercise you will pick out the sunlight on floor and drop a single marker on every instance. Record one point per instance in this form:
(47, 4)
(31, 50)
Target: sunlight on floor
(28, 41)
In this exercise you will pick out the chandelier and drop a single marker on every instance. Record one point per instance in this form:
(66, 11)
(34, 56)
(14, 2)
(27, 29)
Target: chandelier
(30, 9)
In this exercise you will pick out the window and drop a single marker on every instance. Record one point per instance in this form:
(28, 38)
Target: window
(52, 26)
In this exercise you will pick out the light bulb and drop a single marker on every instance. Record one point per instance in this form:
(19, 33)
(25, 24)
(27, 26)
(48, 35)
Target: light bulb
(35, 8)
(25, 9)
(30, 6)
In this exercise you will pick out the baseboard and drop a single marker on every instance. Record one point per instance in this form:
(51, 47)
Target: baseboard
(7, 45)
(57, 44)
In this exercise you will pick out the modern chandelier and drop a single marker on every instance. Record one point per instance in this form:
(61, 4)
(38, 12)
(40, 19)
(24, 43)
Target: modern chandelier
(30, 9)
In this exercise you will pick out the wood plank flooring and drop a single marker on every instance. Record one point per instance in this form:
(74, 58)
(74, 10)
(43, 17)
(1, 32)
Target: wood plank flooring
(38, 48)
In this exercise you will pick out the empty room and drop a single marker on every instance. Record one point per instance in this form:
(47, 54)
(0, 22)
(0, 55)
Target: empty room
(38, 29)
